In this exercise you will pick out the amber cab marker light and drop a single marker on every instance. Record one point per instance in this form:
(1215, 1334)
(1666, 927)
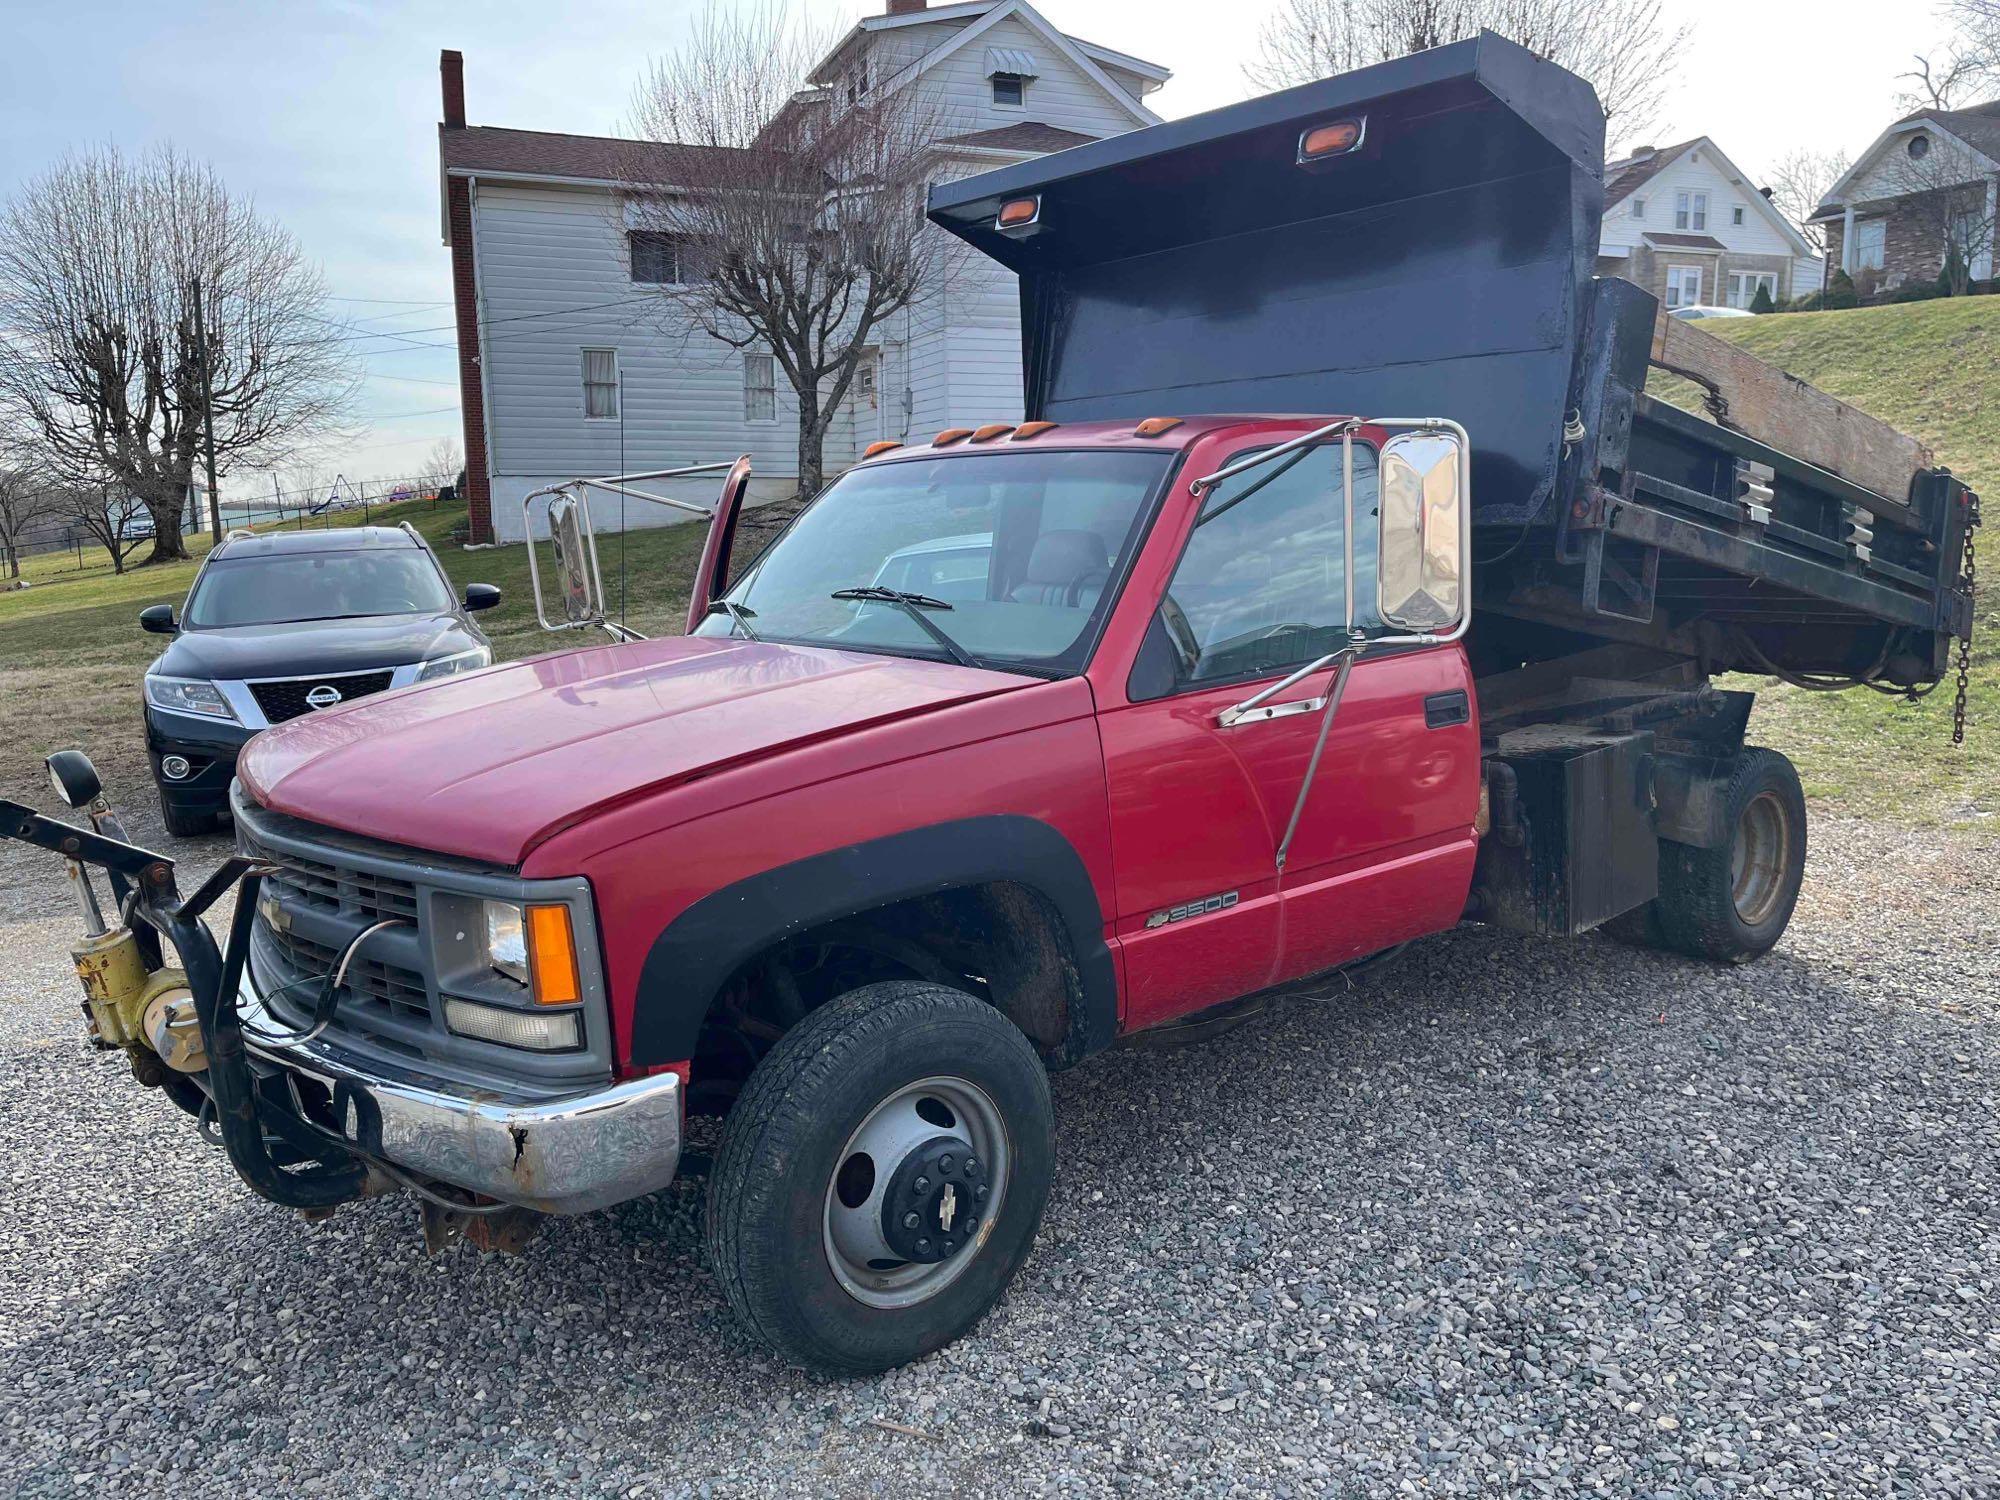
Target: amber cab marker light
(1019, 215)
(949, 436)
(1318, 143)
(882, 447)
(1031, 429)
(552, 956)
(1154, 426)
(991, 431)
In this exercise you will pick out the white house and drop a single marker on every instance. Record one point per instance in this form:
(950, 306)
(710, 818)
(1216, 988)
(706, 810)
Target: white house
(1685, 223)
(567, 364)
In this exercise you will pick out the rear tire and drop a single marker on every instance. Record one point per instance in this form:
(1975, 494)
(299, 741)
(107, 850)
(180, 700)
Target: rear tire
(798, 1193)
(185, 825)
(1733, 903)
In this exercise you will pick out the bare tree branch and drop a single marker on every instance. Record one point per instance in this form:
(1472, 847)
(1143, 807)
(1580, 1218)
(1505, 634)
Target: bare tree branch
(100, 355)
(1799, 184)
(1623, 47)
(783, 217)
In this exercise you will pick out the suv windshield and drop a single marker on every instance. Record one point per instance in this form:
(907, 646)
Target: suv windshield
(1010, 555)
(290, 588)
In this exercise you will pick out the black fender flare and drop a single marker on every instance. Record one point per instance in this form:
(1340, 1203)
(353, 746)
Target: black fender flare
(694, 956)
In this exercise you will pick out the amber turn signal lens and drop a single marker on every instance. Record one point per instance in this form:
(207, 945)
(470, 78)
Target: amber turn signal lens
(552, 956)
(1330, 139)
(1018, 213)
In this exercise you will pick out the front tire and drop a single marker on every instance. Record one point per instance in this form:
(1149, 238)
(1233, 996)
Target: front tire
(899, 1102)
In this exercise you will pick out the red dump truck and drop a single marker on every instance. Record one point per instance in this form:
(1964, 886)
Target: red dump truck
(1343, 584)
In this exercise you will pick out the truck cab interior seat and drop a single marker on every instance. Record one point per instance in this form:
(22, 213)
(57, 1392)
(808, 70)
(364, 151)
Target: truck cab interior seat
(1062, 566)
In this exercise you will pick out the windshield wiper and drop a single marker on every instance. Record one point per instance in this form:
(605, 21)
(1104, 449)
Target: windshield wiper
(914, 606)
(739, 616)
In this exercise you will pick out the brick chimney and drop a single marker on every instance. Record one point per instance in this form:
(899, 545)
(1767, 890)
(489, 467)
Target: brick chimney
(451, 73)
(905, 7)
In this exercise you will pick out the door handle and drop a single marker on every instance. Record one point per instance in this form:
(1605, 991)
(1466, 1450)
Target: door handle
(1442, 710)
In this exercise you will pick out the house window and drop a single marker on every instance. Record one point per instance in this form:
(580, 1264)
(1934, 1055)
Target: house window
(1010, 90)
(1870, 244)
(1683, 286)
(1690, 210)
(600, 385)
(760, 388)
(1638, 208)
(1743, 286)
(660, 259)
(1736, 214)
(1919, 147)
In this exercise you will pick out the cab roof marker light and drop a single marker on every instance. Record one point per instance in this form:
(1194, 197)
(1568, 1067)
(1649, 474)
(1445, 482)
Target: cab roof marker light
(1019, 217)
(1032, 429)
(875, 449)
(1319, 144)
(949, 436)
(991, 431)
(1154, 426)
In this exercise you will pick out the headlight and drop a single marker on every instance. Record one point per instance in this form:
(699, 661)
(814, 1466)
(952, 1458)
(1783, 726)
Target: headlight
(507, 940)
(463, 661)
(184, 695)
(536, 948)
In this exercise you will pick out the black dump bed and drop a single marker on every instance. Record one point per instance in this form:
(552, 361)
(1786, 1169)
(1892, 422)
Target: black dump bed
(1444, 267)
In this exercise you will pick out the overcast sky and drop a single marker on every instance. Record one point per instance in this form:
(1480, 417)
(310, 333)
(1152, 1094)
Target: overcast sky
(326, 112)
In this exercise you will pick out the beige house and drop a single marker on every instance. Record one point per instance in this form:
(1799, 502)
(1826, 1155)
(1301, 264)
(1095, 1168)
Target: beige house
(1685, 223)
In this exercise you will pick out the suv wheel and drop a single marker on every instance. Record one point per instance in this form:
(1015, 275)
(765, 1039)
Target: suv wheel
(881, 1178)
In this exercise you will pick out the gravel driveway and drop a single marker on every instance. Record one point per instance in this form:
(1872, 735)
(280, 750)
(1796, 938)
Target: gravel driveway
(1509, 1218)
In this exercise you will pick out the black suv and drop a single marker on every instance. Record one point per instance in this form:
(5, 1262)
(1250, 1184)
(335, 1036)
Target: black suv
(282, 624)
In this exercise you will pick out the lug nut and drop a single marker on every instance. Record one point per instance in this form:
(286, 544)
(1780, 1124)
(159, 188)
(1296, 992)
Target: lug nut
(923, 1247)
(944, 1164)
(951, 1247)
(921, 1186)
(911, 1221)
(972, 1166)
(972, 1226)
(980, 1192)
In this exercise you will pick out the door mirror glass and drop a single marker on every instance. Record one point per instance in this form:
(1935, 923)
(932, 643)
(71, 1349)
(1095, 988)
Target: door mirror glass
(1420, 573)
(579, 593)
(157, 618)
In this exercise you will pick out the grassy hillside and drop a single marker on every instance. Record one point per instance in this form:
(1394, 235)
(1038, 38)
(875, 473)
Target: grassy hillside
(1933, 370)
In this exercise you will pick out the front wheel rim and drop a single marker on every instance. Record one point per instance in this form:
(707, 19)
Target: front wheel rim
(1760, 858)
(913, 1130)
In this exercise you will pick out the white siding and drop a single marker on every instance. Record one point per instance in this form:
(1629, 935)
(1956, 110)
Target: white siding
(1891, 173)
(1060, 94)
(1697, 171)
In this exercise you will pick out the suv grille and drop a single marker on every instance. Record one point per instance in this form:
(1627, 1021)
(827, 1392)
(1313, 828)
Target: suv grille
(287, 699)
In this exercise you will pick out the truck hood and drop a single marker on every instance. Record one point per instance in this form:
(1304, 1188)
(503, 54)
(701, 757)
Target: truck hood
(488, 764)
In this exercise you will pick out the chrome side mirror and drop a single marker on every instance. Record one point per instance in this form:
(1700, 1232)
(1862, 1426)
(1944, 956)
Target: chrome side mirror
(1420, 563)
(579, 586)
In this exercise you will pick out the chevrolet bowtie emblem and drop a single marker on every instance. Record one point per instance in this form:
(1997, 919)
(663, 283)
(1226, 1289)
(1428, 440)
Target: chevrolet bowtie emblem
(273, 914)
(947, 1207)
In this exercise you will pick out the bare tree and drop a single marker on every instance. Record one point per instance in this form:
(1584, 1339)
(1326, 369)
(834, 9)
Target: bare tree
(442, 464)
(101, 354)
(1623, 47)
(116, 519)
(1799, 184)
(26, 502)
(781, 218)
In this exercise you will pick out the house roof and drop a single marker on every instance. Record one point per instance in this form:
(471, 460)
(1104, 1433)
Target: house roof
(1977, 127)
(1669, 241)
(545, 153)
(1028, 135)
(1622, 178)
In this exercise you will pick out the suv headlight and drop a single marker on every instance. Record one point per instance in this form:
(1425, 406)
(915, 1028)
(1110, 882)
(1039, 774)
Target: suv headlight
(186, 695)
(461, 661)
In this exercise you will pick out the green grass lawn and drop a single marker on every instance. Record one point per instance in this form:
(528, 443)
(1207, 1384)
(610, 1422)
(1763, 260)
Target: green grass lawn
(72, 652)
(1931, 369)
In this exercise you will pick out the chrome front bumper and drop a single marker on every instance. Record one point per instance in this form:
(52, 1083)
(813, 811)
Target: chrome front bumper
(566, 1155)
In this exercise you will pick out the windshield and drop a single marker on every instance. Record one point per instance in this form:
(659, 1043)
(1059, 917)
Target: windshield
(315, 586)
(1010, 555)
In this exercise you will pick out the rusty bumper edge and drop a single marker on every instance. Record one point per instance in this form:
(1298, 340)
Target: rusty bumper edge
(568, 1155)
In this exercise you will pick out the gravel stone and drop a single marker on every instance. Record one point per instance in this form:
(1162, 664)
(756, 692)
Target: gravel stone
(1508, 1217)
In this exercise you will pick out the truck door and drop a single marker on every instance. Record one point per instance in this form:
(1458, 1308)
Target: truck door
(1198, 809)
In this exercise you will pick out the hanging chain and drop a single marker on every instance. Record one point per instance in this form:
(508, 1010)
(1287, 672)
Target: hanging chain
(1969, 578)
